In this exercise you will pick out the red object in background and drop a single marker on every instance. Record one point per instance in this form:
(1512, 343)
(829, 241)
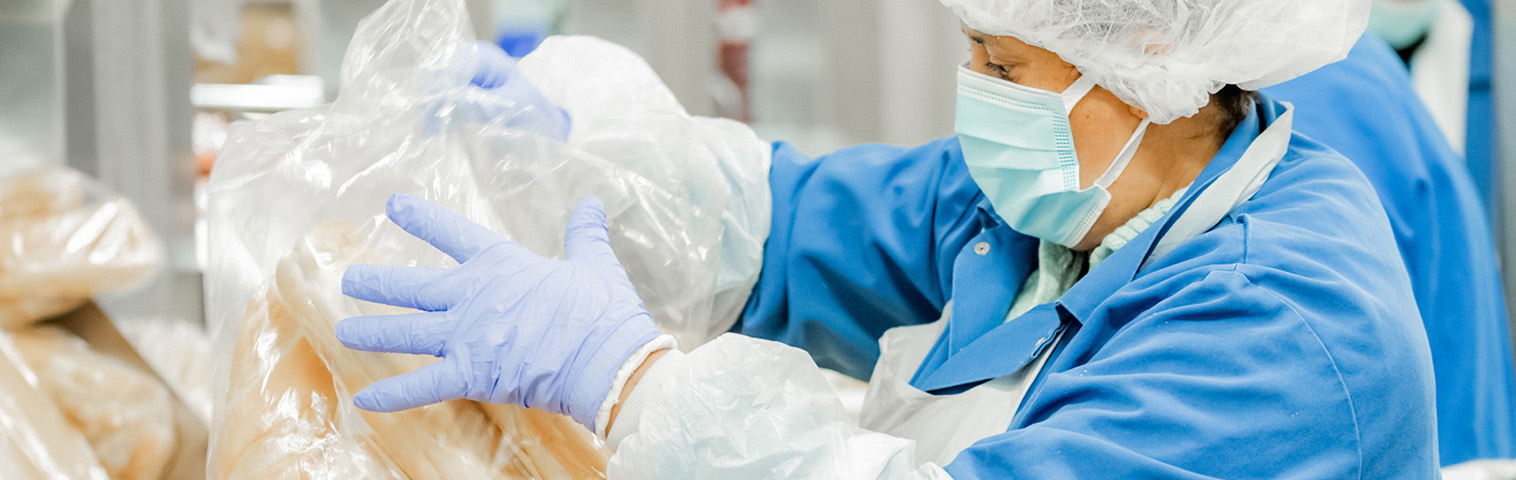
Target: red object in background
(736, 25)
(732, 58)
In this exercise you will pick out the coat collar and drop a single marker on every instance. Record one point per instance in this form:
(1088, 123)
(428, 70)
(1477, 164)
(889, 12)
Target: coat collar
(980, 351)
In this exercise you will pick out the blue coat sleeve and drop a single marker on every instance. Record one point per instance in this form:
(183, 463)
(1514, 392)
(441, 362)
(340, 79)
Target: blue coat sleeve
(1221, 379)
(862, 240)
(1365, 108)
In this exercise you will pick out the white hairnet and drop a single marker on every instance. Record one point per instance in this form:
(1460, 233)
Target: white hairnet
(1168, 56)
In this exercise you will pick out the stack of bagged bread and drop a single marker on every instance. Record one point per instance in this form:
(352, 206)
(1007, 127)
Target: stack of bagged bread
(66, 410)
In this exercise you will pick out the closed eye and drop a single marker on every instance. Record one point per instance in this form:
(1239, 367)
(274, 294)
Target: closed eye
(999, 70)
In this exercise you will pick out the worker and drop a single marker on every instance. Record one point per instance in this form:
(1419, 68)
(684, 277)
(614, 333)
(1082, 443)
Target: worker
(1434, 40)
(1445, 44)
(1365, 108)
(1140, 272)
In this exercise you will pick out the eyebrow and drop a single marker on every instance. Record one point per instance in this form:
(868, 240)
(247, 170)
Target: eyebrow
(975, 36)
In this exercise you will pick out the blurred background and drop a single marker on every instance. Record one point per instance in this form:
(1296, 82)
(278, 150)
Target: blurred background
(139, 93)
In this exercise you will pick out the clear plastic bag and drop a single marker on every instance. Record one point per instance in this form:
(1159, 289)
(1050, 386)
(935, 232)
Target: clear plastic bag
(692, 242)
(63, 238)
(180, 353)
(300, 195)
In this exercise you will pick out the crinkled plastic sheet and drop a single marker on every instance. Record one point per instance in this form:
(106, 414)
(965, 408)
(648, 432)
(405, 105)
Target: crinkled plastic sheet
(63, 238)
(300, 195)
(692, 237)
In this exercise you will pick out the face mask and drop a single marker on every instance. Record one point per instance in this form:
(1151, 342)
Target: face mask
(1020, 150)
(1401, 22)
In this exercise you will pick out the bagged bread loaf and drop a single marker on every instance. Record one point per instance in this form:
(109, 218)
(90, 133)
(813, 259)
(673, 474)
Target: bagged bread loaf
(62, 240)
(36, 442)
(286, 350)
(280, 416)
(40, 192)
(125, 413)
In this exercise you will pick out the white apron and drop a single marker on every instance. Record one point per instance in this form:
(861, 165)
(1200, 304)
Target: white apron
(944, 425)
(941, 425)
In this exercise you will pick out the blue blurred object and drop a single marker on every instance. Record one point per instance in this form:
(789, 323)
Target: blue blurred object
(1481, 142)
(521, 25)
(1365, 108)
(518, 43)
(511, 327)
(496, 71)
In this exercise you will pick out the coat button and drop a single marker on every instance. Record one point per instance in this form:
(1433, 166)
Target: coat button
(982, 248)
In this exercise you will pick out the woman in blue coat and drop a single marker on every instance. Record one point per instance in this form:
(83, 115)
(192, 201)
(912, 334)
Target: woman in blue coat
(1141, 271)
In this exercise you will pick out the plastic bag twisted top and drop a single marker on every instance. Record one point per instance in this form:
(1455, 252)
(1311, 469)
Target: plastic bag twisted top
(1168, 56)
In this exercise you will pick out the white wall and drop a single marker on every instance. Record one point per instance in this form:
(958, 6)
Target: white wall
(840, 72)
(31, 104)
(677, 37)
(824, 74)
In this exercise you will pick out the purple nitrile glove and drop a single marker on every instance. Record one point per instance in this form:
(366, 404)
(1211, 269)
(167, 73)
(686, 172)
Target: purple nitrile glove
(511, 326)
(496, 71)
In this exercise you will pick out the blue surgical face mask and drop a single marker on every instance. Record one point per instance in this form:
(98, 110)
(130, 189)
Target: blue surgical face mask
(1020, 150)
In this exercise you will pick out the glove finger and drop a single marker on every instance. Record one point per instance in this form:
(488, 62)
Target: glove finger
(420, 288)
(422, 333)
(449, 232)
(492, 67)
(586, 238)
(435, 383)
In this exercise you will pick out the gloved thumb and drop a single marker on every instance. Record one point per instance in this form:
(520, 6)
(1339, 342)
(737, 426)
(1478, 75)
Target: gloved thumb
(587, 238)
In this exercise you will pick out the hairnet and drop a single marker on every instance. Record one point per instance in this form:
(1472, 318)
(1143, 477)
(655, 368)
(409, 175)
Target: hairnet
(1168, 56)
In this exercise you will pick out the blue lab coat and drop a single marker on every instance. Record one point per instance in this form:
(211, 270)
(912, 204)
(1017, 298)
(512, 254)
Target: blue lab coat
(1282, 342)
(1482, 142)
(1365, 108)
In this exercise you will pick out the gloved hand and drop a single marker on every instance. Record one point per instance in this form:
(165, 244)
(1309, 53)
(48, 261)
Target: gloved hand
(511, 326)
(495, 71)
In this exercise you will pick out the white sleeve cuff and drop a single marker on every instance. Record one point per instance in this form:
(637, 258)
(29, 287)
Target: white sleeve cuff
(654, 384)
(603, 415)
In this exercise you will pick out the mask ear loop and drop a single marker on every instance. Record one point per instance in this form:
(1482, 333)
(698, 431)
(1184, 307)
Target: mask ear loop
(1076, 92)
(1125, 157)
(1106, 179)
